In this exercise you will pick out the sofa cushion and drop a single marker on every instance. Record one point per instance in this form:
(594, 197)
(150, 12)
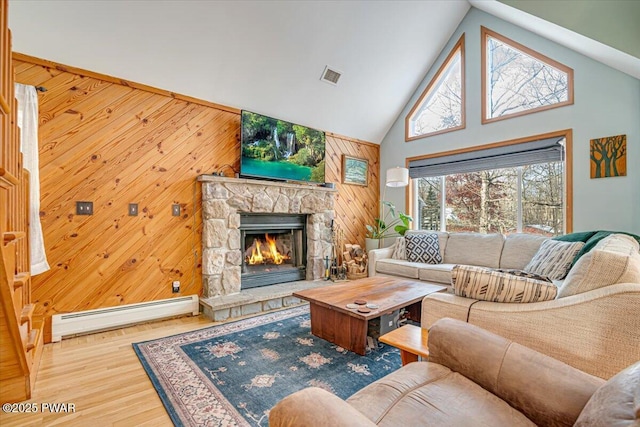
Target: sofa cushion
(489, 285)
(615, 259)
(399, 249)
(398, 267)
(423, 248)
(554, 259)
(590, 239)
(474, 249)
(616, 403)
(421, 393)
(519, 249)
(440, 273)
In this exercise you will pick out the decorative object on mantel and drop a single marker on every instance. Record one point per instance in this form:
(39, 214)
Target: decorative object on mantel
(383, 225)
(220, 172)
(608, 156)
(356, 261)
(355, 171)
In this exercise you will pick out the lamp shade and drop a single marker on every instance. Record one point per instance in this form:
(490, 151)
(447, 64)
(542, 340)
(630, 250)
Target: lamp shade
(397, 177)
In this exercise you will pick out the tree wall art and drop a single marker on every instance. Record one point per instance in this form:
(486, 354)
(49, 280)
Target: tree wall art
(608, 156)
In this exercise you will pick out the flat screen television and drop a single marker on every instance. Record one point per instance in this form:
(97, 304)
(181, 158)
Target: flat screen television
(278, 150)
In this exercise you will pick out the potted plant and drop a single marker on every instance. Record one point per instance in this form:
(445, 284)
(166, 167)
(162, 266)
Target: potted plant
(389, 224)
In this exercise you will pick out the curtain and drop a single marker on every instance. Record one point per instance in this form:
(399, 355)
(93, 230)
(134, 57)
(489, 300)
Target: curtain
(28, 124)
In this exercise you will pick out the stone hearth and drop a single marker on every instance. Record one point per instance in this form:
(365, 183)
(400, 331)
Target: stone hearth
(223, 199)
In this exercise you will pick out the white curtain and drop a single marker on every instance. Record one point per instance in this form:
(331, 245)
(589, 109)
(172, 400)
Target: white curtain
(28, 123)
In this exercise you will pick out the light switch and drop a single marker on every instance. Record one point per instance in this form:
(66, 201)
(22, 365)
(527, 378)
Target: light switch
(84, 208)
(133, 209)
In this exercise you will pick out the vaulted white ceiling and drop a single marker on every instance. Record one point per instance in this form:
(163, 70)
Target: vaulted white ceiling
(263, 56)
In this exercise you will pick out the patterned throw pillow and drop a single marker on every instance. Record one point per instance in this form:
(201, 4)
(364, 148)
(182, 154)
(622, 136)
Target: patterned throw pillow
(554, 259)
(400, 249)
(485, 284)
(423, 248)
(522, 273)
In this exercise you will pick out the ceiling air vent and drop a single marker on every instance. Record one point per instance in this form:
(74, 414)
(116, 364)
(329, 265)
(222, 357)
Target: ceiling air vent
(330, 76)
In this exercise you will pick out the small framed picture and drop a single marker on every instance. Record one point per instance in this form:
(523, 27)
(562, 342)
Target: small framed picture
(355, 171)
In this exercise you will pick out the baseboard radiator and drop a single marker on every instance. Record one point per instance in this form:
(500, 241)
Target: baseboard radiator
(83, 322)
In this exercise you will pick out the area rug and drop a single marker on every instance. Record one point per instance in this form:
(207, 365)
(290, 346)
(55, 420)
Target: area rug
(233, 374)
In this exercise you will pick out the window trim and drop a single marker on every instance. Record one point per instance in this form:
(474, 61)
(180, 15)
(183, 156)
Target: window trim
(458, 46)
(484, 34)
(568, 169)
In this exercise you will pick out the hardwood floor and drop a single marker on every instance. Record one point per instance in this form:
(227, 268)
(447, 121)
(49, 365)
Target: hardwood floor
(102, 377)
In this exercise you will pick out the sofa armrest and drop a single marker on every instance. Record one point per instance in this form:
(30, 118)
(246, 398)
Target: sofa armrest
(597, 331)
(377, 254)
(546, 390)
(443, 304)
(316, 407)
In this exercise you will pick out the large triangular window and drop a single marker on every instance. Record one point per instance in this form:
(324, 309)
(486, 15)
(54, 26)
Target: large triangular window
(517, 80)
(440, 108)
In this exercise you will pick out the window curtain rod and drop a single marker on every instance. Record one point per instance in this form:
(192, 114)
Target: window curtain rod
(41, 88)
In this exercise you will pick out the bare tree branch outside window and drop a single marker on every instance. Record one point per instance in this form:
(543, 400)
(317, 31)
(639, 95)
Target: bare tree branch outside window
(519, 82)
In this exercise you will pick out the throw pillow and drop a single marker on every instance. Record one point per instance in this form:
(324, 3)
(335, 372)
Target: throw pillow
(423, 248)
(554, 259)
(489, 285)
(400, 249)
(615, 259)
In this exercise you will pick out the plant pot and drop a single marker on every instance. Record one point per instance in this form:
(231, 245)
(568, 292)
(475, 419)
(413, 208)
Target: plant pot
(371, 244)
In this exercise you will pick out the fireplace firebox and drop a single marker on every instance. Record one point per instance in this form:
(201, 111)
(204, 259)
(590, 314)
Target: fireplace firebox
(273, 249)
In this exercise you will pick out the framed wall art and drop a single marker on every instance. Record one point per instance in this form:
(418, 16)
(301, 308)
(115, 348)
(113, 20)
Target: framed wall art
(355, 171)
(608, 156)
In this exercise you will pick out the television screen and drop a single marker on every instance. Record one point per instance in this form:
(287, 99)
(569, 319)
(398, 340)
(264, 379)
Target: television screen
(279, 150)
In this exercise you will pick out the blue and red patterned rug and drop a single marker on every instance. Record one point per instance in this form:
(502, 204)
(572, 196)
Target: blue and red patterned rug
(233, 374)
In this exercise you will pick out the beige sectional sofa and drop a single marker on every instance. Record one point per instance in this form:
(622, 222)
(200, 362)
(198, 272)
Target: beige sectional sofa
(484, 250)
(595, 328)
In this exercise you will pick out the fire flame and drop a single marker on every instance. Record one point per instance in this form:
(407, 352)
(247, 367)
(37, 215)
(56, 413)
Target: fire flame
(270, 253)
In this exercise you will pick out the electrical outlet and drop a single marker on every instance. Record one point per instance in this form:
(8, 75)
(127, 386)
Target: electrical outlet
(84, 208)
(133, 209)
(175, 286)
(390, 323)
(175, 209)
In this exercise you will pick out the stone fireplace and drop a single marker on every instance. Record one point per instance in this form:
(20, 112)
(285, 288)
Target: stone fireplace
(237, 213)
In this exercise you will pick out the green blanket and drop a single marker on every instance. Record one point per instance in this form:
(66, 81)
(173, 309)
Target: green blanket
(590, 239)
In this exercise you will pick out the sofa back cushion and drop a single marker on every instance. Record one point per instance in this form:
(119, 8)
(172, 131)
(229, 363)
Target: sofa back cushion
(616, 403)
(615, 259)
(519, 249)
(474, 249)
(546, 390)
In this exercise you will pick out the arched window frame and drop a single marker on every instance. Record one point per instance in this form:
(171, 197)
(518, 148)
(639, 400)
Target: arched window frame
(485, 33)
(459, 46)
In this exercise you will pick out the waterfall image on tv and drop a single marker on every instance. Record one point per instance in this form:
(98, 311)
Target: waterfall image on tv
(280, 150)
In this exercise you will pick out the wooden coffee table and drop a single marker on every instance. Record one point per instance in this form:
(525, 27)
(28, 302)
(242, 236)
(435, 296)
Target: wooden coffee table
(333, 321)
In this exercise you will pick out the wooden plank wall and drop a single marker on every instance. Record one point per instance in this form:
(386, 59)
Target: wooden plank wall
(115, 142)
